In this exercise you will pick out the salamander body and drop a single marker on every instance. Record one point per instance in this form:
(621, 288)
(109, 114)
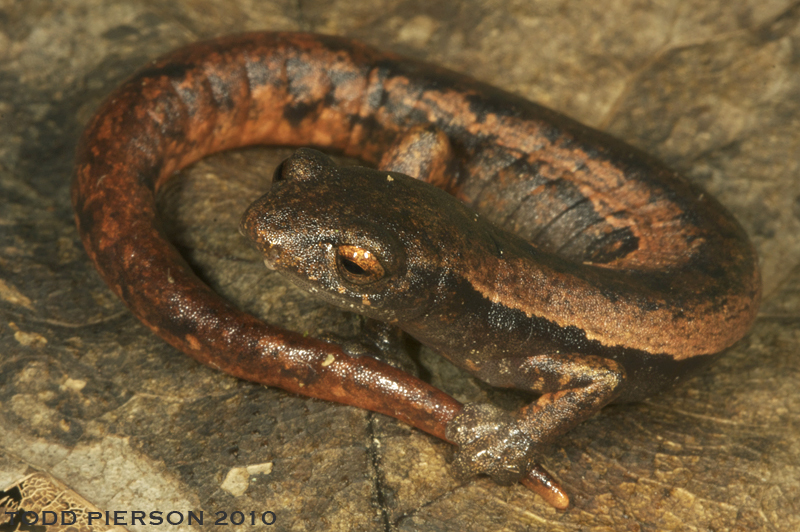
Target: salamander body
(593, 273)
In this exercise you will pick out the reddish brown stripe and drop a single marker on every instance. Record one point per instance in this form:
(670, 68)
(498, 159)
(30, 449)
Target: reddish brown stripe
(298, 89)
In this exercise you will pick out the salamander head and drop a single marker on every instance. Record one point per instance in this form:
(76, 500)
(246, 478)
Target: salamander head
(363, 239)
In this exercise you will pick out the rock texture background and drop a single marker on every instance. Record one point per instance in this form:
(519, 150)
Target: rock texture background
(90, 396)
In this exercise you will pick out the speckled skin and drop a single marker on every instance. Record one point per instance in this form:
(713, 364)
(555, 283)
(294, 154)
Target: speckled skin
(633, 278)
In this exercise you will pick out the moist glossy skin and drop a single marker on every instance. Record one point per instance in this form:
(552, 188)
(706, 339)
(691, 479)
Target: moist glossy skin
(440, 267)
(402, 251)
(633, 277)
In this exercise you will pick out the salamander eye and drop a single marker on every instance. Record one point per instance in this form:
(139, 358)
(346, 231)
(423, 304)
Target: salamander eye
(358, 265)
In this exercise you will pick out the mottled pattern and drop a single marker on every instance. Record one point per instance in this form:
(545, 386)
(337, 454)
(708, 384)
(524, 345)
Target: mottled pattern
(596, 204)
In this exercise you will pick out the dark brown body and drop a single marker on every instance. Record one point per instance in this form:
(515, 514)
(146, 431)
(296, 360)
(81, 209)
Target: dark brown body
(668, 275)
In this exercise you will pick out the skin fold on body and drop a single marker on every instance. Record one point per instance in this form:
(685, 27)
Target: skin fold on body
(610, 279)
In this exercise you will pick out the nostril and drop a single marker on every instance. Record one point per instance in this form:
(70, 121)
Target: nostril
(278, 174)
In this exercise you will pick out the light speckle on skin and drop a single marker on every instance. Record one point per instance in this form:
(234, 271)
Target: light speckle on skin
(389, 178)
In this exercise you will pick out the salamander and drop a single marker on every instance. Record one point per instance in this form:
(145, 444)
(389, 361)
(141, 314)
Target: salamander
(533, 251)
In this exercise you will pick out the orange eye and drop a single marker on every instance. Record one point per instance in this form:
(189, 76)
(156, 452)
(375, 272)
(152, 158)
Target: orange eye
(358, 265)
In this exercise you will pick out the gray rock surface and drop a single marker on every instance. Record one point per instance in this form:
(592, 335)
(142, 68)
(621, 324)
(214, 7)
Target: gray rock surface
(90, 396)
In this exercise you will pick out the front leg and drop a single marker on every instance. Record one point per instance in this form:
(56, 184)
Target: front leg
(380, 341)
(425, 153)
(501, 444)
